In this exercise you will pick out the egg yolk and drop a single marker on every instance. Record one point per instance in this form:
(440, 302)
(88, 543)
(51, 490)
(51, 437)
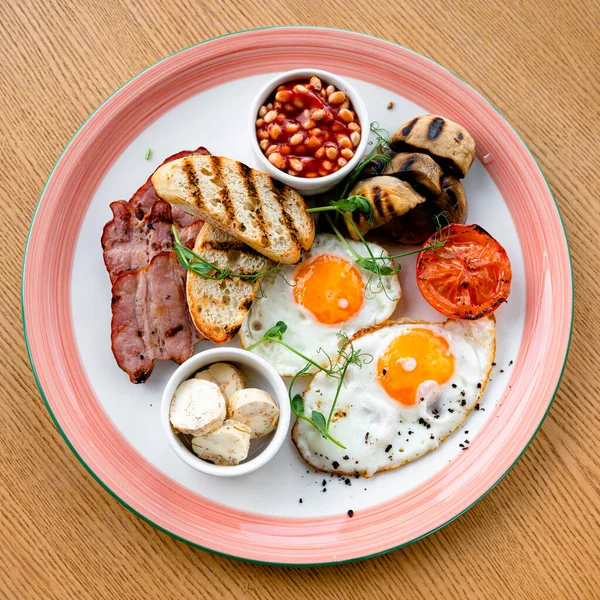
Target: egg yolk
(330, 287)
(412, 359)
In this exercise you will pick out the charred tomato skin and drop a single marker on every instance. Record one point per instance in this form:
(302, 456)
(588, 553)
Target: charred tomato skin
(469, 277)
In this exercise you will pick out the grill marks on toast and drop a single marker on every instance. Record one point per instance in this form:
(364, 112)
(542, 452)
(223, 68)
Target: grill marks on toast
(247, 177)
(217, 179)
(218, 308)
(192, 179)
(230, 246)
(246, 203)
(281, 192)
(225, 246)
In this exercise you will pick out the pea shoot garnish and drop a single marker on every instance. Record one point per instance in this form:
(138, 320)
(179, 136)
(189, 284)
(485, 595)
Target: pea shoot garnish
(383, 265)
(148, 153)
(193, 262)
(378, 153)
(347, 356)
(347, 205)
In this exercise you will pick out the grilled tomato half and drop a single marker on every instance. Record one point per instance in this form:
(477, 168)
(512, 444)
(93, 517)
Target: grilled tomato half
(468, 276)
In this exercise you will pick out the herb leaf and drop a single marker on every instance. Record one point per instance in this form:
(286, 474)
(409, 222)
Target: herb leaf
(319, 422)
(368, 264)
(352, 203)
(297, 405)
(348, 205)
(199, 268)
(355, 203)
(363, 204)
(277, 330)
(386, 271)
(193, 262)
(274, 334)
(380, 270)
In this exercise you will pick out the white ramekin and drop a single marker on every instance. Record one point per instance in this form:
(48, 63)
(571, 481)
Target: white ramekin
(259, 374)
(317, 185)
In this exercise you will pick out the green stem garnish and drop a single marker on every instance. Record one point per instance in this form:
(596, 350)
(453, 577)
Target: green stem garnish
(381, 146)
(275, 334)
(348, 205)
(148, 153)
(378, 271)
(193, 262)
(347, 356)
(379, 266)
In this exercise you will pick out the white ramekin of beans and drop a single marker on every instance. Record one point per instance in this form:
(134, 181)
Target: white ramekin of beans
(309, 129)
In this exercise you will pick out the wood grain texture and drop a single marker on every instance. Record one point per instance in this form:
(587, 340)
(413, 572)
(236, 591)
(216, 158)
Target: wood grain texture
(536, 536)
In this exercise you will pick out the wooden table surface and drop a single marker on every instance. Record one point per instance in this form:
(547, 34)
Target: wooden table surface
(536, 536)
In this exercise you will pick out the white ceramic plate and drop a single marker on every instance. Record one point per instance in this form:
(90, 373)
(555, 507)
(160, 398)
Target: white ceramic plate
(114, 426)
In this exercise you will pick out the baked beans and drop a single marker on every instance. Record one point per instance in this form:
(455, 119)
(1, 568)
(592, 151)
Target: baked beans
(308, 128)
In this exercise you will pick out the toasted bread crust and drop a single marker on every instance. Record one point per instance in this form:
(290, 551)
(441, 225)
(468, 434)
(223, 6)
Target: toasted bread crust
(218, 308)
(250, 205)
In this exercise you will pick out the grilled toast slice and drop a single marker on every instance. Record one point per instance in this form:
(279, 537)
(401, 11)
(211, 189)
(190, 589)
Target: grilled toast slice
(250, 205)
(218, 308)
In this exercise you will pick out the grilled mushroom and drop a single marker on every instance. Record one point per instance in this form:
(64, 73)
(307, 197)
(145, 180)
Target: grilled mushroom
(452, 200)
(390, 197)
(373, 168)
(447, 142)
(418, 169)
(420, 223)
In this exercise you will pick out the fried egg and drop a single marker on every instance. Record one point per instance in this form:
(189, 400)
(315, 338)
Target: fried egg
(325, 293)
(419, 386)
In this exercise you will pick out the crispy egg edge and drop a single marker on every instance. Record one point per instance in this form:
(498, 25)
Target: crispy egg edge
(372, 329)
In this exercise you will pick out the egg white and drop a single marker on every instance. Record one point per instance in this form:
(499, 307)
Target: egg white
(305, 333)
(380, 433)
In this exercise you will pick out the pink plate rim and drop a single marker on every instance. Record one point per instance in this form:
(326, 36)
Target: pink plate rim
(152, 495)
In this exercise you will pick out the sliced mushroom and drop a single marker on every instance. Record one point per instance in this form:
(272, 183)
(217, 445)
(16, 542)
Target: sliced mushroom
(373, 169)
(421, 222)
(198, 407)
(447, 142)
(418, 169)
(228, 445)
(254, 408)
(390, 197)
(452, 200)
(229, 378)
(206, 376)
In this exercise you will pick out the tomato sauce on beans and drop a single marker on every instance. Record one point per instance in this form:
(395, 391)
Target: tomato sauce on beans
(308, 128)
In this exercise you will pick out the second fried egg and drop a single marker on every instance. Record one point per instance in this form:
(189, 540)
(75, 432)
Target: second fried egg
(420, 382)
(325, 293)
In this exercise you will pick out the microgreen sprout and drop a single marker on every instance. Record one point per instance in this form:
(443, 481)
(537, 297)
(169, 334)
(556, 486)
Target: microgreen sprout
(193, 262)
(383, 265)
(347, 356)
(378, 153)
(348, 205)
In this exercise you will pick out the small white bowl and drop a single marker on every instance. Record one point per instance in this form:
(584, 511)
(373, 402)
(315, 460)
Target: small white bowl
(259, 374)
(316, 185)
